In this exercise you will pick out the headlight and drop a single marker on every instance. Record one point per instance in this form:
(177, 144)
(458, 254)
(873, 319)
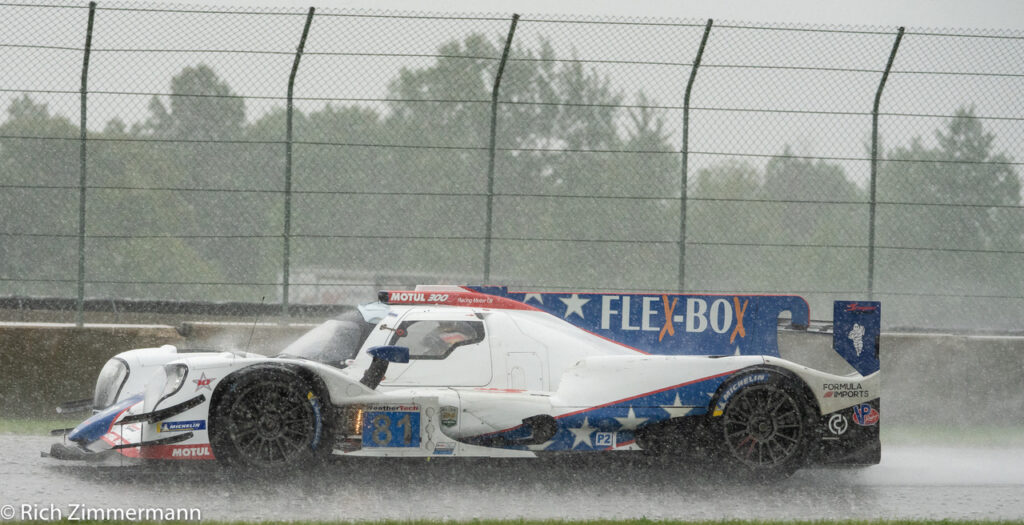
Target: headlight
(175, 378)
(111, 380)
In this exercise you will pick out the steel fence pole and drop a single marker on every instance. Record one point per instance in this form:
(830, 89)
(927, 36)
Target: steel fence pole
(82, 156)
(686, 153)
(874, 164)
(286, 257)
(491, 149)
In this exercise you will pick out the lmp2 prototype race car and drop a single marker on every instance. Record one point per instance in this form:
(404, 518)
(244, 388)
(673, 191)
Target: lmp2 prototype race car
(484, 371)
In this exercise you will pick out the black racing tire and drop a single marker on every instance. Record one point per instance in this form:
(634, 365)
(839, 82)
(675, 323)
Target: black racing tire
(268, 417)
(766, 428)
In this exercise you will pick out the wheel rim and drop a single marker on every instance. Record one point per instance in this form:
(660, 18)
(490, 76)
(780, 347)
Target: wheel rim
(763, 426)
(271, 423)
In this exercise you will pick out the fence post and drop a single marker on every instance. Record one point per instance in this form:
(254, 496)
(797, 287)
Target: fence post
(82, 155)
(686, 153)
(491, 149)
(286, 262)
(874, 165)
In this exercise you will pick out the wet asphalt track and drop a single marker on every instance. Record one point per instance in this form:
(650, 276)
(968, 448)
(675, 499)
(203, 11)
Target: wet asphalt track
(922, 482)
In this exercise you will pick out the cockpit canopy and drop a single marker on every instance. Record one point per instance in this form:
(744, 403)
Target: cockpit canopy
(337, 340)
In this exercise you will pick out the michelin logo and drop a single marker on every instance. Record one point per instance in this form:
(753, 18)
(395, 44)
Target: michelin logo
(857, 336)
(733, 388)
(181, 426)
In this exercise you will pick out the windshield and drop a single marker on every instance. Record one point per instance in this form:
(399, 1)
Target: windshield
(333, 342)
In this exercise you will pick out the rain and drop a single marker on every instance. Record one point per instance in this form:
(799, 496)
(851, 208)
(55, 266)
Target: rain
(225, 178)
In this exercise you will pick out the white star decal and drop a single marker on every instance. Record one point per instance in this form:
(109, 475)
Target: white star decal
(737, 351)
(537, 296)
(204, 382)
(582, 434)
(630, 422)
(676, 409)
(573, 305)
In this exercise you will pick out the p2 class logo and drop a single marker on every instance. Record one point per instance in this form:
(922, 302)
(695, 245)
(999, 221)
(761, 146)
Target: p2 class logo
(865, 415)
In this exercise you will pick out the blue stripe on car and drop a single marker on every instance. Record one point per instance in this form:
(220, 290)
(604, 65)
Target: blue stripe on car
(100, 423)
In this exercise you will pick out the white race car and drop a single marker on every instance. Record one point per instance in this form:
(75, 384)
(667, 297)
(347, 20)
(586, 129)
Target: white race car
(458, 371)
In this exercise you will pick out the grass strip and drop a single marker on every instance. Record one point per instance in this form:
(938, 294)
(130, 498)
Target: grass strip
(938, 435)
(38, 427)
(641, 521)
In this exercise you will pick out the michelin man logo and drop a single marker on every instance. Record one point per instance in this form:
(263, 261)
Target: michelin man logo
(857, 336)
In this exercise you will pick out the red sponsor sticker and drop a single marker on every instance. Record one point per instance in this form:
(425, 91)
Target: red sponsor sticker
(199, 451)
(865, 415)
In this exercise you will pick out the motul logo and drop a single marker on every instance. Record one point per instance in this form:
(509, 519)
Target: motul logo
(407, 297)
(191, 452)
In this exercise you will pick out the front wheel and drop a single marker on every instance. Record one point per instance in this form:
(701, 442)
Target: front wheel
(766, 428)
(268, 418)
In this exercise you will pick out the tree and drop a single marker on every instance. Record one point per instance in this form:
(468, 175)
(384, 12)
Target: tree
(39, 173)
(961, 182)
(224, 201)
(561, 128)
(747, 225)
(202, 107)
(955, 199)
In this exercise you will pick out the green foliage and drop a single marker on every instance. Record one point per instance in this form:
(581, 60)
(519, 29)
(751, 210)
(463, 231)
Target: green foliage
(194, 192)
(26, 163)
(921, 181)
(740, 214)
(961, 168)
(203, 108)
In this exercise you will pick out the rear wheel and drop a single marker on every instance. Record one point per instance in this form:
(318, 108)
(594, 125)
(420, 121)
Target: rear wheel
(766, 428)
(268, 418)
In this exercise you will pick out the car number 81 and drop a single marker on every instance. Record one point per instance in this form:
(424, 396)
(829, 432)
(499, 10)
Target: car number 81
(391, 429)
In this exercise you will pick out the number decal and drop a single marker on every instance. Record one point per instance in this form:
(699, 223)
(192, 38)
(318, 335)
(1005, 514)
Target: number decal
(391, 429)
(438, 298)
(381, 434)
(604, 439)
(407, 426)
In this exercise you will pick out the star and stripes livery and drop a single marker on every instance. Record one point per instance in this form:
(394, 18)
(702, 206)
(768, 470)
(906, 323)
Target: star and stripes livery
(460, 371)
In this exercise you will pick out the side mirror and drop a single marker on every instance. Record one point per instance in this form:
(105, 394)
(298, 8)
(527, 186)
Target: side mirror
(391, 354)
(382, 357)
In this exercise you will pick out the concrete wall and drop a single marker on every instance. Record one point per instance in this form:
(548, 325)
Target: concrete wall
(932, 379)
(42, 365)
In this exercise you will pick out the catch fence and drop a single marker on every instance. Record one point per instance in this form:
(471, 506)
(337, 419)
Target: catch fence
(169, 153)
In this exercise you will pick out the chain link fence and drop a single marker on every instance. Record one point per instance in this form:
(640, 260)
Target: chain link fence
(168, 153)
